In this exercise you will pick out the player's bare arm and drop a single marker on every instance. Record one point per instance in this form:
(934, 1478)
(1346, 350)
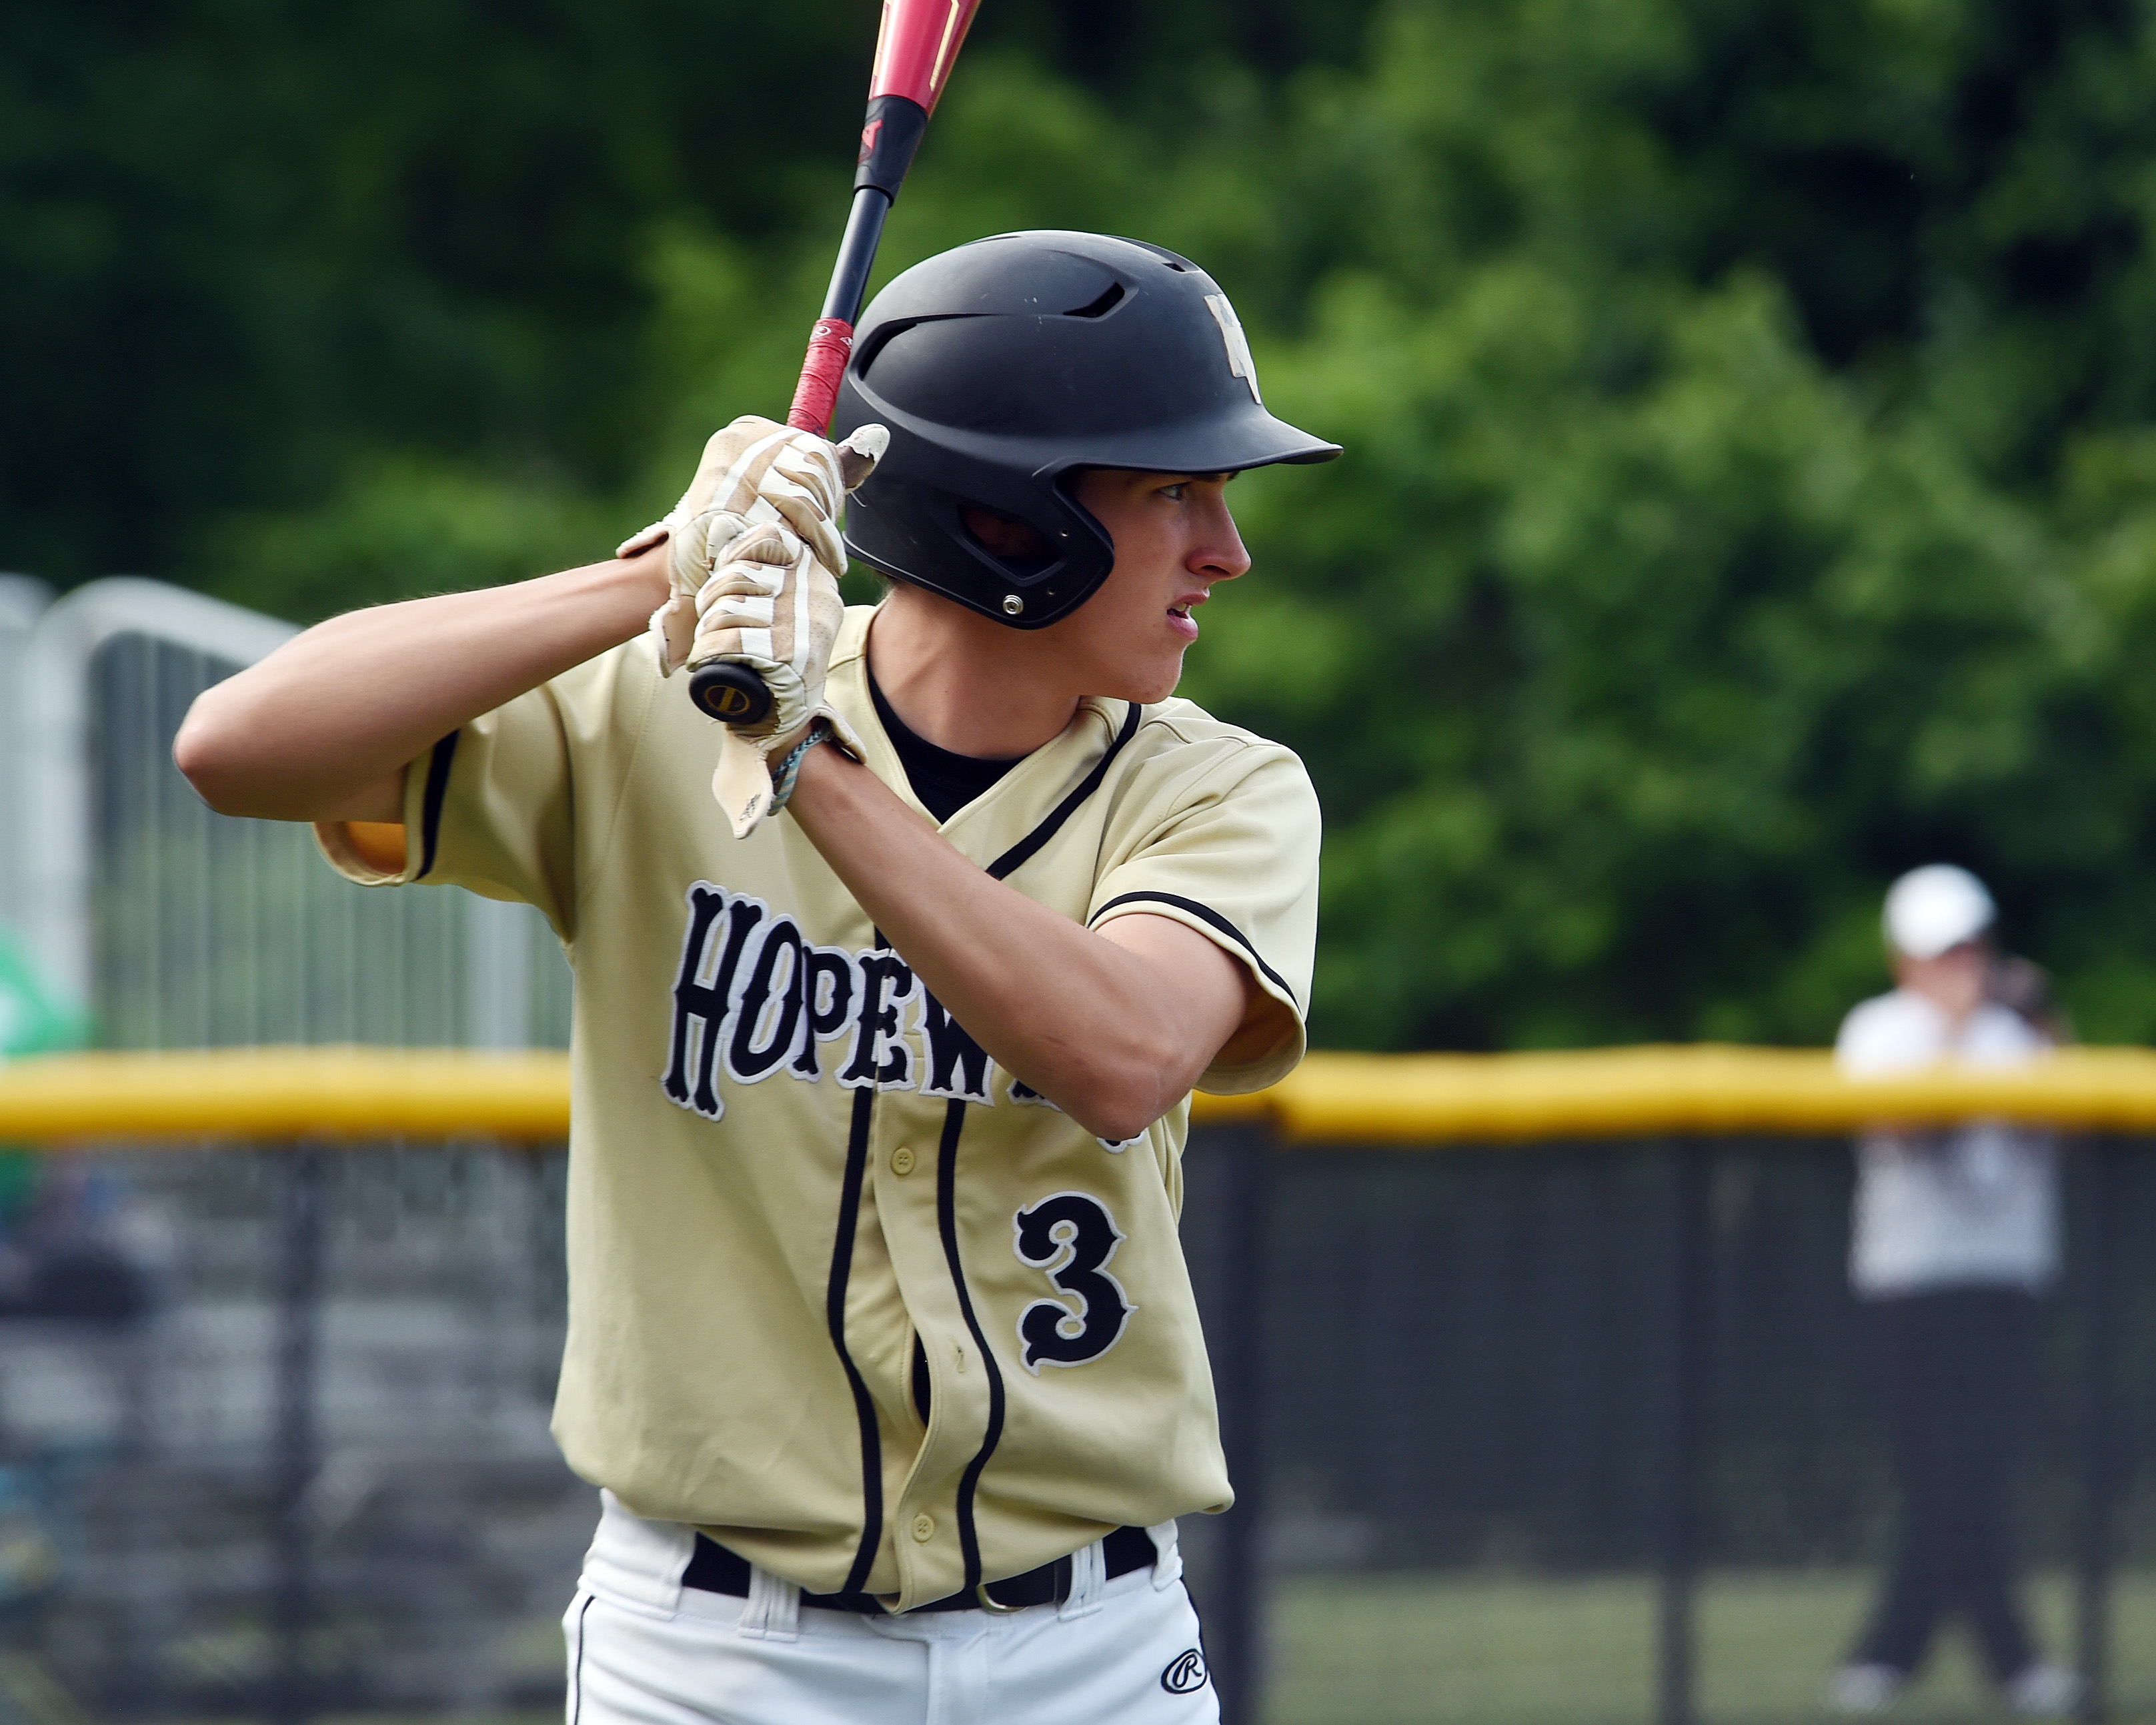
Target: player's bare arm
(323, 729)
(1114, 1026)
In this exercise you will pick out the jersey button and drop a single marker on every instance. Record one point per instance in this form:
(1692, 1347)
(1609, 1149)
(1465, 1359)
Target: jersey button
(924, 1528)
(901, 1162)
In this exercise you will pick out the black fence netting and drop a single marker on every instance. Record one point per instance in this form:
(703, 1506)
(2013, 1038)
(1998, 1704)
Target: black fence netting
(273, 1435)
(1550, 1433)
(1600, 1432)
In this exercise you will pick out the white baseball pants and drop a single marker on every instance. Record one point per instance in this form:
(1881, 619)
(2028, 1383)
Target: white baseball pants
(643, 1650)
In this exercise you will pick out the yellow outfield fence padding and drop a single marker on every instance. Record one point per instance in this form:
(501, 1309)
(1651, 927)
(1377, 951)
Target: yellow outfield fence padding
(1407, 1099)
(1704, 1088)
(286, 1093)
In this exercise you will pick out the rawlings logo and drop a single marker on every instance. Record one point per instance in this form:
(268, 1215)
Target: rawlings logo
(1186, 1673)
(869, 142)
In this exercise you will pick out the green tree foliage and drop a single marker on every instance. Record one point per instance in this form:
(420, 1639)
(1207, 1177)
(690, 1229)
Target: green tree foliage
(1748, 406)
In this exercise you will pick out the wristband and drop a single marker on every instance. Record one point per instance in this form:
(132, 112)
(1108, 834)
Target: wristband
(789, 770)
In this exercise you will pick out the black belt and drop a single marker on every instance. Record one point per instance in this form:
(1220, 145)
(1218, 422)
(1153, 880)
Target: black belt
(714, 1569)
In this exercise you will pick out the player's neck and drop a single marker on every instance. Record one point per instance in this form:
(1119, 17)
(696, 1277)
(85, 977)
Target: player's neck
(964, 683)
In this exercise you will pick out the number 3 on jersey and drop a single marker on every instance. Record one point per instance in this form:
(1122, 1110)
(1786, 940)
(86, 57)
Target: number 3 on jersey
(1071, 1236)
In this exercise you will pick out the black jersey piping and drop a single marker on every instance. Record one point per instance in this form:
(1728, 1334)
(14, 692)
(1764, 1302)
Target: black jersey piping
(946, 1222)
(835, 1315)
(430, 805)
(1022, 852)
(947, 1171)
(1206, 914)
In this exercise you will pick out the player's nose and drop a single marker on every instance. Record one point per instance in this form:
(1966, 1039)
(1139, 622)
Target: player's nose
(1219, 553)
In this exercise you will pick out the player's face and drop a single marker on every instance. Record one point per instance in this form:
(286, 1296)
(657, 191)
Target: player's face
(1175, 540)
(1954, 981)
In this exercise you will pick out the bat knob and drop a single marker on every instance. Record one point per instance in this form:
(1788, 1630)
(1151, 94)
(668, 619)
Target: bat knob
(732, 694)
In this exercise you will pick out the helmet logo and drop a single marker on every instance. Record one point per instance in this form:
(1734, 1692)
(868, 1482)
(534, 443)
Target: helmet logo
(1239, 363)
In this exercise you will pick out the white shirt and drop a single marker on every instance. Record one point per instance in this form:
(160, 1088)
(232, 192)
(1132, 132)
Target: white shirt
(1975, 1205)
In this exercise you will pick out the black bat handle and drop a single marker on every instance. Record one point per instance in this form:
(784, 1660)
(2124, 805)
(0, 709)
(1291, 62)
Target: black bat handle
(857, 252)
(732, 693)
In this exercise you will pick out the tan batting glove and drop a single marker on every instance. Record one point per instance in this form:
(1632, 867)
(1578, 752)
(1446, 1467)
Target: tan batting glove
(753, 567)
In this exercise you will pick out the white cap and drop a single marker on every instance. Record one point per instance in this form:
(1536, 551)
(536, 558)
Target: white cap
(1931, 909)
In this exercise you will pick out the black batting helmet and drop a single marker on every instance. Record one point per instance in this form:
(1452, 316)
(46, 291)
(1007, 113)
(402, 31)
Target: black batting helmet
(1001, 366)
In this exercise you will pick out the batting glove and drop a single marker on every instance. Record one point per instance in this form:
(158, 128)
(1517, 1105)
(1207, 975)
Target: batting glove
(754, 564)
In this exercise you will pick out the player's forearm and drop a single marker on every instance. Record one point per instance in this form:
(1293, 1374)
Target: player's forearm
(1092, 1027)
(322, 728)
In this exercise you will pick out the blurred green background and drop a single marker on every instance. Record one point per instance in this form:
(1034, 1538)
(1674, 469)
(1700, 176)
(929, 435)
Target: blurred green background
(1750, 406)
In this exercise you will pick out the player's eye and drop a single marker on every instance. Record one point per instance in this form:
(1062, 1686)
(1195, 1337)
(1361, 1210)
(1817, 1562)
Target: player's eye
(1177, 492)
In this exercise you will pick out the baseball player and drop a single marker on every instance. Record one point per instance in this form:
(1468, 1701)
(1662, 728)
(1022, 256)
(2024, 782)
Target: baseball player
(1954, 1237)
(882, 1345)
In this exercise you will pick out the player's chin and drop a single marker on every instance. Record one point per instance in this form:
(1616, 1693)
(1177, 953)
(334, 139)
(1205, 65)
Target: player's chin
(1154, 679)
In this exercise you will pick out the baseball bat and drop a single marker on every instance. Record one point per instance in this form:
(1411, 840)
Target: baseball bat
(916, 45)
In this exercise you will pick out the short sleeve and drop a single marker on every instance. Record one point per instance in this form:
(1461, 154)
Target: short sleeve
(1235, 858)
(491, 807)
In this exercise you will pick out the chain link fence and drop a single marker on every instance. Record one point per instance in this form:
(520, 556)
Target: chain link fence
(177, 927)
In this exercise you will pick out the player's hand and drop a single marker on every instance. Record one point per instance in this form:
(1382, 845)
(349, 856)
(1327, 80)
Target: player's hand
(755, 471)
(754, 564)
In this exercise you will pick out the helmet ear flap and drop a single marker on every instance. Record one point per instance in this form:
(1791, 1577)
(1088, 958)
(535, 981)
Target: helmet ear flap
(1028, 557)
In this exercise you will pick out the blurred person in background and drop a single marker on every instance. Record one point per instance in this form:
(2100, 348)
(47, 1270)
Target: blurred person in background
(1955, 1234)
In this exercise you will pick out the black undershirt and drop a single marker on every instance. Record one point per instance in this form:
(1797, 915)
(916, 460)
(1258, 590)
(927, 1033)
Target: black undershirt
(944, 782)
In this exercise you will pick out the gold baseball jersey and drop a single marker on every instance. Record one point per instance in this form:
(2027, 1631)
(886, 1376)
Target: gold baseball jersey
(796, 1184)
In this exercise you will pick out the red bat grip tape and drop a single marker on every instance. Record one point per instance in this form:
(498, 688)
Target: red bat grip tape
(830, 344)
